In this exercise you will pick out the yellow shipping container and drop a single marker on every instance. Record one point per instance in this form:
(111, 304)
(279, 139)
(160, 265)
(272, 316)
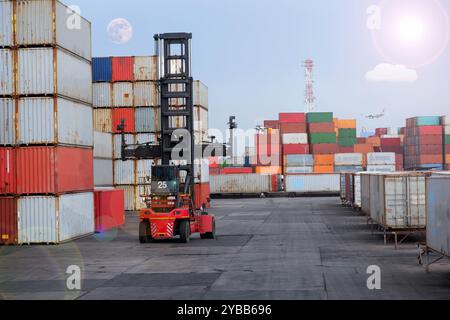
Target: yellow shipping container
(323, 169)
(269, 170)
(324, 159)
(346, 124)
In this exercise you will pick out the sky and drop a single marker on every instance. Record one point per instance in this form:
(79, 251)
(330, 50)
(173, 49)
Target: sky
(249, 53)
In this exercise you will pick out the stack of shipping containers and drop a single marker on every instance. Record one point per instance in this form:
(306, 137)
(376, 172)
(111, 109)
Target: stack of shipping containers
(424, 144)
(268, 152)
(46, 134)
(295, 147)
(445, 122)
(323, 140)
(347, 135)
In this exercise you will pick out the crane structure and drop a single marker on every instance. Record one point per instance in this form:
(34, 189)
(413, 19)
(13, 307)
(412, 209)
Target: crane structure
(171, 207)
(310, 99)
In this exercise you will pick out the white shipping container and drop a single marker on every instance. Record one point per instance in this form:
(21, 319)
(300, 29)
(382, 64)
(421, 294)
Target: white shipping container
(124, 172)
(145, 138)
(37, 122)
(381, 168)
(103, 120)
(37, 70)
(39, 24)
(295, 138)
(200, 94)
(144, 171)
(240, 183)
(6, 71)
(133, 200)
(438, 220)
(348, 159)
(44, 220)
(102, 95)
(445, 120)
(201, 121)
(296, 170)
(357, 190)
(146, 68)
(307, 183)
(103, 172)
(117, 152)
(6, 27)
(365, 193)
(145, 94)
(201, 171)
(7, 127)
(123, 94)
(381, 158)
(103, 145)
(447, 129)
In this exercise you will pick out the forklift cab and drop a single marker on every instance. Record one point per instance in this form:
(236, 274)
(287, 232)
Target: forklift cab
(165, 181)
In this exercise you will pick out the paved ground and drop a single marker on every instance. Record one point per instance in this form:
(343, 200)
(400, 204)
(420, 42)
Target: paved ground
(266, 249)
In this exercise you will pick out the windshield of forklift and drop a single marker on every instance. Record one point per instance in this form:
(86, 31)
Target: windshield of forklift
(165, 180)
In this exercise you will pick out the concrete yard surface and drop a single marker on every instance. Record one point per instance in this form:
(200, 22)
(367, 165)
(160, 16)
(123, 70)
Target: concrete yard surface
(286, 248)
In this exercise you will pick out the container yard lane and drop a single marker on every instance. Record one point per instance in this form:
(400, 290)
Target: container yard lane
(273, 248)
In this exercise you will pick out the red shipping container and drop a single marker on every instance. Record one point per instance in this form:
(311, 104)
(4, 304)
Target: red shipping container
(109, 208)
(296, 149)
(272, 124)
(7, 171)
(391, 142)
(324, 148)
(361, 140)
(394, 149)
(292, 117)
(236, 171)
(321, 128)
(431, 149)
(8, 221)
(431, 159)
(122, 69)
(363, 148)
(214, 171)
(54, 170)
(429, 130)
(346, 149)
(292, 128)
(427, 139)
(202, 195)
(123, 113)
(276, 184)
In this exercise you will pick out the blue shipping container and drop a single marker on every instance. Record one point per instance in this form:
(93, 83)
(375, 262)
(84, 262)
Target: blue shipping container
(101, 69)
(145, 120)
(428, 121)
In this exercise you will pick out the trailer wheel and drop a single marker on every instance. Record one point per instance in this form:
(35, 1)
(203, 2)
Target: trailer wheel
(210, 235)
(185, 231)
(144, 232)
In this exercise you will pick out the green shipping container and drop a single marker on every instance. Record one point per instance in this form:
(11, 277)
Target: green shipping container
(319, 117)
(347, 141)
(447, 139)
(322, 138)
(347, 133)
(428, 121)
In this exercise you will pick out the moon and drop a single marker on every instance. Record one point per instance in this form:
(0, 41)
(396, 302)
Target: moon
(120, 31)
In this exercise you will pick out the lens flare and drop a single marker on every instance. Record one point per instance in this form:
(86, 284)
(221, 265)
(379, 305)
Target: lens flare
(411, 29)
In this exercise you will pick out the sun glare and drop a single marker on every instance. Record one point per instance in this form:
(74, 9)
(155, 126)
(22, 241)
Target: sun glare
(411, 29)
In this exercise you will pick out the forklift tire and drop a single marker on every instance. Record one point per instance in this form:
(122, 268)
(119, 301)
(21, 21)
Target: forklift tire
(185, 231)
(144, 232)
(210, 235)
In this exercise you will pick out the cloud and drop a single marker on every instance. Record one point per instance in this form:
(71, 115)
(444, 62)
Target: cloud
(385, 72)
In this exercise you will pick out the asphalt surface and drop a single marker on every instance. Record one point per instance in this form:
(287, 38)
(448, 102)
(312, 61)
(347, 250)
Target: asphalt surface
(305, 248)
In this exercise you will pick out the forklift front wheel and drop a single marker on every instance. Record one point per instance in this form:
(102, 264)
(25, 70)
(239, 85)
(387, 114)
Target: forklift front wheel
(185, 231)
(145, 232)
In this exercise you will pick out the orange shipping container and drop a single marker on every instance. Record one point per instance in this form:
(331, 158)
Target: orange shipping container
(324, 159)
(346, 124)
(363, 148)
(323, 169)
(269, 170)
(374, 141)
(447, 159)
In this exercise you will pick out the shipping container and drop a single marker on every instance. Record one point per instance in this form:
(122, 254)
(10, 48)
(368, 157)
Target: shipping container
(145, 94)
(53, 170)
(299, 160)
(123, 114)
(146, 120)
(321, 128)
(342, 169)
(346, 124)
(123, 94)
(117, 147)
(122, 69)
(381, 158)
(348, 159)
(365, 192)
(292, 118)
(381, 168)
(241, 184)
(101, 69)
(109, 208)
(144, 171)
(39, 67)
(103, 120)
(295, 138)
(289, 149)
(298, 170)
(346, 141)
(319, 117)
(6, 71)
(313, 183)
(102, 95)
(7, 171)
(235, 170)
(201, 170)
(7, 122)
(269, 170)
(438, 218)
(357, 190)
(291, 128)
(37, 122)
(326, 148)
(124, 172)
(8, 220)
(322, 138)
(49, 22)
(103, 145)
(103, 172)
(423, 121)
(132, 196)
(323, 169)
(273, 124)
(202, 193)
(146, 68)
(6, 27)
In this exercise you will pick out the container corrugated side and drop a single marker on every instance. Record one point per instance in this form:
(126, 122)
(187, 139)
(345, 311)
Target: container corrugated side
(8, 220)
(36, 74)
(240, 183)
(35, 26)
(381, 168)
(102, 97)
(357, 190)
(365, 193)
(103, 120)
(313, 183)
(201, 94)
(381, 158)
(133, 201)
(117, 147)
(101, 69)
(6, 27)
(103, 172)
(146, 120)
(44, 220)
(438, 220)
(103, 145)
(296, 170)
(124, 172)
(144, 171)
(348, 159)
(145, 94)
(123, 94)
(37, 116)
(6, 71)
(7, 123)
(7, 171)
(146, 68)
(295, 138)
(299, 160)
